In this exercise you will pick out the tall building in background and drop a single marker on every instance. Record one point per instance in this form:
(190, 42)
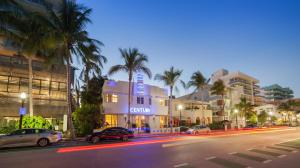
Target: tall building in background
(49, 83)
(248, 85)
(277, 93)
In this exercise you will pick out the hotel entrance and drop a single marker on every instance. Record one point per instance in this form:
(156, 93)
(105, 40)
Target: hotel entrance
(141, 123)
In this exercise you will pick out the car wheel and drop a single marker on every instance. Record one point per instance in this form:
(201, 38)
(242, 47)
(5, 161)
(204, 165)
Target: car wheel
(125, 138)
(43, 142)
(95, 139)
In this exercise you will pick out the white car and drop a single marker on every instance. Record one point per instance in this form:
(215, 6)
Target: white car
(197, 129)
(30, 137)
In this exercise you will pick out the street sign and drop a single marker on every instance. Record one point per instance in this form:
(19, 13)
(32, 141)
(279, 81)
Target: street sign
(22, 111)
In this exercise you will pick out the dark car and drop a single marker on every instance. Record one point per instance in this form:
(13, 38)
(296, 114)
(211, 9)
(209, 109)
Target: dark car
(113, 133)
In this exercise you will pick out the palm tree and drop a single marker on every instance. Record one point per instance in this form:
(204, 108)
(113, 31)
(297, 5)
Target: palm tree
(25, 31)
(69, 26)
(134, 62)
(245, 108)
(198, 81)
(288, 108)
(92, 62)
(218, 88)
(170, 77)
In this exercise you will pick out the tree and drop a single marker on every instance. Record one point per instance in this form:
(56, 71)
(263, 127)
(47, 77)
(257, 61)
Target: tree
(198, 81)
(218, 88)
(25, 31)
(90, 114)
(169, 78)
(245, 108)
(262, 117)
(93, 63)
(134, 61)
(69, 26)
(288, 108)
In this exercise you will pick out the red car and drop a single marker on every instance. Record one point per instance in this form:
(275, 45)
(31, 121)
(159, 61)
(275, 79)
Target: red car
(113, 133)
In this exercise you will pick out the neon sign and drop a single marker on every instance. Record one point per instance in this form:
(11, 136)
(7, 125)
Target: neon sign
(140, 84)
(140, 110)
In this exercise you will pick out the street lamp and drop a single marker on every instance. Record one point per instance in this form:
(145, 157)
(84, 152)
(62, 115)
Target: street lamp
(22, 110)
(180, 107)
(236, 111)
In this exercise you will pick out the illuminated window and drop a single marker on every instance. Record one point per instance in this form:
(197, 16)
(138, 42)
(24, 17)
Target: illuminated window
(111, 120)
(114, 98)
(111, 98)
(161, 102)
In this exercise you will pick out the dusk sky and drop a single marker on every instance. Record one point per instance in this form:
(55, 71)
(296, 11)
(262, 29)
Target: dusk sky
(258, 37)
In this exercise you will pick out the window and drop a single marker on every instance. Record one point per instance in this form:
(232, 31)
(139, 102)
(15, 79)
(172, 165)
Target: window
(62, 87)
(111, 98)
(3, 83)
(23, 84)
(140, 100)
(114, 98)
(111, 120)
(54, 86)
(150, 101)
(13, 84)
(161, 102)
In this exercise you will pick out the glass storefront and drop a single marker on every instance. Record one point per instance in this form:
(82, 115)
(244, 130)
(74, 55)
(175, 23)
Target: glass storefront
(111, 120)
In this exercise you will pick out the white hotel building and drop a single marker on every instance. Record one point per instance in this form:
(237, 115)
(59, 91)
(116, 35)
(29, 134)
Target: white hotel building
(149, 104)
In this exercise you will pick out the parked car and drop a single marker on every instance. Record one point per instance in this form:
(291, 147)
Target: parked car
(198, 129)
(113, 133)
(183, 128)
(30, 137)
(251, 126)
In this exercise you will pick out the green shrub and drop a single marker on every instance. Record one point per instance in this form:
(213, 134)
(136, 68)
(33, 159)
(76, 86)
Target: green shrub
(34, 122)
(8, 128)
(216, 125)
(86, 118)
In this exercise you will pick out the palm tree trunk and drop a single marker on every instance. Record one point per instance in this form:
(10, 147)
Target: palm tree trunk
(170, 109)
(30, 75)
(69, 101)
(129, 100)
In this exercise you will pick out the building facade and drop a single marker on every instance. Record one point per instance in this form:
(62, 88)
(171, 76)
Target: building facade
(277, 93)
(249, 85)
(190, 112)
(149, 105)
(48, 82)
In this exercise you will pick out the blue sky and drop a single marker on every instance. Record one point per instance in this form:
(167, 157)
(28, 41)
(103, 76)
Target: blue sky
(258, 37)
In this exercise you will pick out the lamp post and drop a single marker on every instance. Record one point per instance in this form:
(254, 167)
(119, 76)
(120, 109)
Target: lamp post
(180, 107)
(236, 111)
(23, 97)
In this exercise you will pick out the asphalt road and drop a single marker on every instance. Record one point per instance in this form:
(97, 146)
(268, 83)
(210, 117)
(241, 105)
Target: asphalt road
(257, 149)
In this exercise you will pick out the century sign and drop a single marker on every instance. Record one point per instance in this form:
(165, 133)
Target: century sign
(140, 110)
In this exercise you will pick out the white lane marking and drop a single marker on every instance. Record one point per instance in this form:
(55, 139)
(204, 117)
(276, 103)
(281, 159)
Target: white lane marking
(209, 158)
(267, 161)
(281, 156)
(287, 141)
(232, 153)
(181, 165)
